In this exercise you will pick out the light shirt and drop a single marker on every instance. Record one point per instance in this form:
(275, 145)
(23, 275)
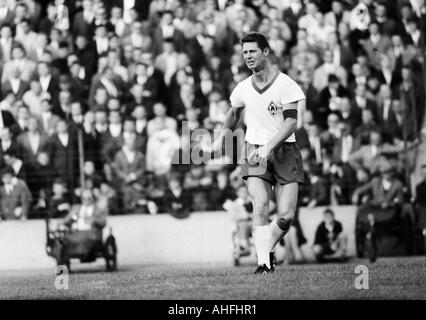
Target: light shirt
(84, 220)
(386, 109)
(44, 82)
(3, 12)
(140, 125)
(63, 138)
(129, 154)
(5, 144)
(347, 142)
(127, 6)
(34, 142)
(264, 108)
(17, 165)
(14, 83)
(168, 31)
(45, 116)
(9, 187)
(386, 184)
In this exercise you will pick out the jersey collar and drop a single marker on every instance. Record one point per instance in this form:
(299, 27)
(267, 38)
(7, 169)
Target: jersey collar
(259, 90)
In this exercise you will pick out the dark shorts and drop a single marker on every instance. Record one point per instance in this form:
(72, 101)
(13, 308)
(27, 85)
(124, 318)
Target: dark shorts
(284, 166)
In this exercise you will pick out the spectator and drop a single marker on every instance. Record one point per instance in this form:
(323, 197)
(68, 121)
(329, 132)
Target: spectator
(330, 240)
(328, 67)
(129, 168)
(19, 62)
(383, 192)
(65, 155)
(47, 118)
(16, 85)
(87, 215)
(176, 199)
(15, 197)
(318, 189)
(370, 156)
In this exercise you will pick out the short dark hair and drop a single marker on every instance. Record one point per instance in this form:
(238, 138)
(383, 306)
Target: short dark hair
(329, 211)
(257, 37)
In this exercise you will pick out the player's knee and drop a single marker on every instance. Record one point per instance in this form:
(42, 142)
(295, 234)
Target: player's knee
(285, 218)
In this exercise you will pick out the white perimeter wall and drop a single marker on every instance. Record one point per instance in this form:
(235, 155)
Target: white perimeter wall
(203, 238)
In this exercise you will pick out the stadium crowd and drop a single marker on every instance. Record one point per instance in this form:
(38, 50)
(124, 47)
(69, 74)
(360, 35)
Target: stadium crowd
(122, 76)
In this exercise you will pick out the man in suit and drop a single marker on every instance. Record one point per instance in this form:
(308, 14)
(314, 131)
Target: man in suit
(376, 43)
(89, 215)
(15, 197)
(26, 67)
(330, 240)
(349, 113)
(342, 55)
(87, 55)
(15, 85)
(49, 83)
(371, 156)
(328, 99)
(361, 100)
(292, 14)
(30, 143)
(48, 119)
(345, 145)
(166, 29)
(152, 81)
(12, 161)
(129, 166)
(6, 42)
(383, 191)
(65, 154)
(322, 72)
(83, 23)
(110, 82)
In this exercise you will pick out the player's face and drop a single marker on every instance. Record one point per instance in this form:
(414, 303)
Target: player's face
(254, 57)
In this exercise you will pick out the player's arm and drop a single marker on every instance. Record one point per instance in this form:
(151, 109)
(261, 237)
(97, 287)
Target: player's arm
(231, 120)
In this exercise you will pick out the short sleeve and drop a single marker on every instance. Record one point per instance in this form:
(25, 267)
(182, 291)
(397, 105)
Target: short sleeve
(236, 98)
(292, 93)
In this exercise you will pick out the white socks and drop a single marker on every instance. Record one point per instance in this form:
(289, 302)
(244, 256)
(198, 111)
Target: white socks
(262, 242)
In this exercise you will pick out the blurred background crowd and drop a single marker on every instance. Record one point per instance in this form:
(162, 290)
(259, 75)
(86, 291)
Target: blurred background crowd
(121, 76)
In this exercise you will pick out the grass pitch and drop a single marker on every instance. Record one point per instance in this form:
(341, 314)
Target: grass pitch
(389, 278)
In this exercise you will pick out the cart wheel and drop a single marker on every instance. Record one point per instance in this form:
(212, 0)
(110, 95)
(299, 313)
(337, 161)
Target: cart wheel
(110, 254)
(236, 262)
(372, 246)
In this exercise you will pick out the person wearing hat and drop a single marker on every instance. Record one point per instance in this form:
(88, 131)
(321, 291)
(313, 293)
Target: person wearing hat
(15, 197)
(385, 190)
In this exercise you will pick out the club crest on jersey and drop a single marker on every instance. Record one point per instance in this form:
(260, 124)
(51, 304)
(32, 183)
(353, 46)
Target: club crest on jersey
(273, 108)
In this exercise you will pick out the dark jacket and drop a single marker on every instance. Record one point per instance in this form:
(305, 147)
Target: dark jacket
(323, 235)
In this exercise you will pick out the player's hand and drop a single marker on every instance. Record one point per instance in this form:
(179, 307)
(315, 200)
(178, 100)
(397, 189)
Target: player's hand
(259, 155)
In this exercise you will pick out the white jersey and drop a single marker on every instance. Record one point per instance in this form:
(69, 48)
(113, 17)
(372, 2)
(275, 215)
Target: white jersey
(263, 107)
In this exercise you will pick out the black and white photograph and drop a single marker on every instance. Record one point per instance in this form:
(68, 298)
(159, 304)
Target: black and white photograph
(212, 151)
